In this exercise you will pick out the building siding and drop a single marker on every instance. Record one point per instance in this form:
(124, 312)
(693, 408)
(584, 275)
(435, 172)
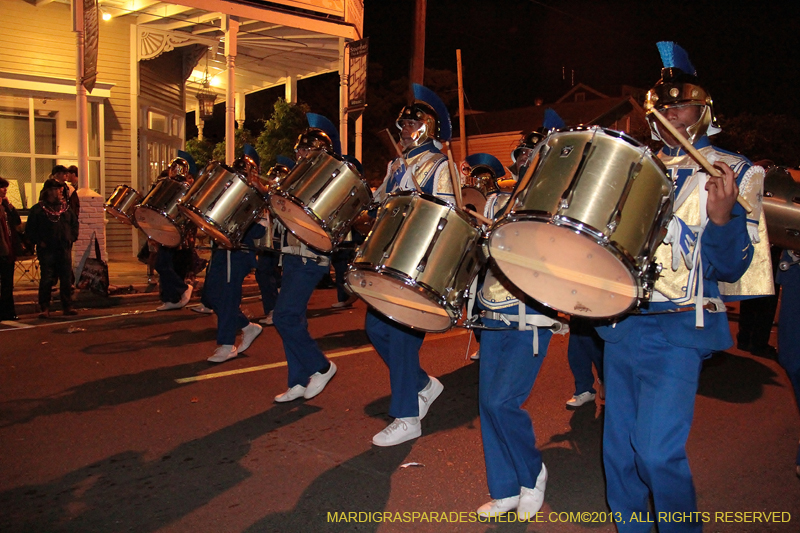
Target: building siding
(41, 42)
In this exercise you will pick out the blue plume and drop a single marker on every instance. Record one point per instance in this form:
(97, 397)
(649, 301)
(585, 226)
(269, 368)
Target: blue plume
(355, 162)
(673, 56)
(251, 152)
(487, 160)
(424, 94)
(322, 123)
(285, 161)
(189, 159)
(552, 121)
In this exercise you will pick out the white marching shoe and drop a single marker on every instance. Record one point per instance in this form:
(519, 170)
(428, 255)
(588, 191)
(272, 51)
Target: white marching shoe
(531, 500)
(495, 508)
(249, 334)
(427, 395)
(223, 353)
(399, 431)
(290, 394)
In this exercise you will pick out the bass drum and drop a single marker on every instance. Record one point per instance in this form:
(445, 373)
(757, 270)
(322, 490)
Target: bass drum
(319, 200)
(158, 215)
(223, 204)
(417, 262)
(782, 208)
(581, 234)
(122, 203)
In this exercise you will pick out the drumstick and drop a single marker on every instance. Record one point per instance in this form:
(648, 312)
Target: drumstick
(695, 154)
(454, 178)
(480, 217)
(400, 155)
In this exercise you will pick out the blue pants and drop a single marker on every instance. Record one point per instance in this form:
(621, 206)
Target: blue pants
(171, 284)
(789, 330)
(399, 347)
(225, 297)
(303, 356)
(650, 394)
(508, 370)
(267, 279)
(585, 348)
(340, 260)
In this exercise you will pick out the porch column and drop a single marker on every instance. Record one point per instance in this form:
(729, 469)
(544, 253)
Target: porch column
(343, 95)
(239, 110)
(230, 25)
(91, 220)
(291, 88)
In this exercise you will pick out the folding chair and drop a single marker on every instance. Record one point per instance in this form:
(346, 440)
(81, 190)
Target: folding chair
(27, 268)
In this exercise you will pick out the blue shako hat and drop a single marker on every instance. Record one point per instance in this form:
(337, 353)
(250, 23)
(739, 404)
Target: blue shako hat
(186, 156)
(321, 133)
(355, 162)
(250, 152)
(483, 161)
(680, 86)
(285, 161)
(552, 121)
(429, 109)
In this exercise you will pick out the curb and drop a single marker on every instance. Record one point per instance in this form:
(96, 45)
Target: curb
(27, 302)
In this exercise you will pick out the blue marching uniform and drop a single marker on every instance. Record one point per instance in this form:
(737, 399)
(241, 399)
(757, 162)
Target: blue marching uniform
(509, 363)
(789, 327)
(223, 287)
(399, 345)
(653, 360)
(302, 271)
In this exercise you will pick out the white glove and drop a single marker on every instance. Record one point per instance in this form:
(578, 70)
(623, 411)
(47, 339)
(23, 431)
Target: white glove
(682, 239)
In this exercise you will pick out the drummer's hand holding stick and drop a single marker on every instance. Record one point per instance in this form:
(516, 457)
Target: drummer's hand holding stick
(721, 185)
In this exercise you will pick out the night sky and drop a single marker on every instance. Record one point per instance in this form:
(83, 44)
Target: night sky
(746, 53)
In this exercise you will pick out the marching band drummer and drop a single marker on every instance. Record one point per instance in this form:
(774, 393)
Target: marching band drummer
(423, 125)
(267, 261)
(653, 359)
(172, 264)
(223, 286)
(309, 369)
(512, 351)
(483, 167)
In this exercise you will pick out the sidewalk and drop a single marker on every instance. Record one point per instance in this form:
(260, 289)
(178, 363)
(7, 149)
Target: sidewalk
(127, 284)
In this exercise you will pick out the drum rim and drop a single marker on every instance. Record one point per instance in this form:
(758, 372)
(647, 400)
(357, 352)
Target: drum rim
(319, 222)
(572, 224)
(646, 151)
(417, 287)
(433, 199)
(189, 210)
(638, 279)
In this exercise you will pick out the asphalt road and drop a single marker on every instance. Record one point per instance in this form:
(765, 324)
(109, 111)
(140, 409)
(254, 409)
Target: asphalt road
(116, 422)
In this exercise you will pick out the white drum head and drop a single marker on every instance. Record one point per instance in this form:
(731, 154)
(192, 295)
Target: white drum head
(157, 227)
(407, 305)
(474, 197)
(563, 269)
(304, 226)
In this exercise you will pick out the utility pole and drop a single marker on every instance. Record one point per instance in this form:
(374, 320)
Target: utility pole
(418, 48)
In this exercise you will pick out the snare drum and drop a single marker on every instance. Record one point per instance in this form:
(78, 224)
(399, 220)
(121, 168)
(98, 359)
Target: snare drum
(223, 204)
(122, 203)
(158, 215)
(417, 263)
(581, 234)
(782, 208)
(319, 200)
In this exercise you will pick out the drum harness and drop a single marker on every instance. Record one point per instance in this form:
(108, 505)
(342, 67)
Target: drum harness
(523, 321)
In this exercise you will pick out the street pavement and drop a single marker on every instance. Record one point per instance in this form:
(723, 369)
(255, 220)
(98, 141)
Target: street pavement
(114, 421)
